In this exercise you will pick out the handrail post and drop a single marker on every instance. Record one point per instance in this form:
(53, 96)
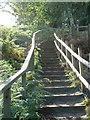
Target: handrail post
(81, 68)
(58, 53)
(24, 84)
(7, 103)
(62, 49)
(24, 80)
(67, 55)
(72, 57)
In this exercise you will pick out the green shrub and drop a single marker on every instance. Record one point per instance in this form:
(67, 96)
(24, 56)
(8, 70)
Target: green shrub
(6, 70)
(13, 53)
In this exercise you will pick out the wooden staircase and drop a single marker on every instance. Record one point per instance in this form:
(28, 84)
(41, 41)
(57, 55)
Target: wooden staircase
(64, 101)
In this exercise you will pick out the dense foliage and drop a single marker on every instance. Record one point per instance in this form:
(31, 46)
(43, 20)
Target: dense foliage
(25, 103)
(52, 13)
(6, 70)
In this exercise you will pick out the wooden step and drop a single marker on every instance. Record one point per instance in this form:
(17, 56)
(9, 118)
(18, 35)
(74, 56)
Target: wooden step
(60, 89)
(62, 100)
(50, 56)
(57, 83)
(54, 77)
(51, 65)
(49, 60)
(65, 111)
(53, 72)
(53, 68)
(66, 118)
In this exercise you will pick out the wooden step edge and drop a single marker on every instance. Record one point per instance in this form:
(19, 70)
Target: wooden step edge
(65, 95)
(63, 106)
(56, 81)
(69, 118)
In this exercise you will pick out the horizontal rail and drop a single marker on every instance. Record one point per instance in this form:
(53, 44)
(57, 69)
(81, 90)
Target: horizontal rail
(73, 68)
(28, 58)
(83, 61)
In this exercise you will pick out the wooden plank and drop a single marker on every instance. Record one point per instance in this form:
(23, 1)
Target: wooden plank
(26, 64)
(30, 54)
(73, 68)
(80, 64)
(24, 80)
(67, 54)
(7, 104)
(81, 70)
(73, 58)
(86, 63)
(62, 48)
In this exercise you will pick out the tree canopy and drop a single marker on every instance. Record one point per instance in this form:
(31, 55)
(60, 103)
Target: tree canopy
(52, 13)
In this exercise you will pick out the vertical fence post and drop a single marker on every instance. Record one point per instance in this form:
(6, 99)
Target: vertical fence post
(62, 49)
(24, 84)
(81, 68)
(58, 53)
(24, 80)
(72, 57)
(67, 55)
(7, 103)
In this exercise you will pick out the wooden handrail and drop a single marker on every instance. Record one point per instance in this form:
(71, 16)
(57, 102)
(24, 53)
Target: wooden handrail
(80, 59)
(28, 58)
(23, 70)
(5, 88)
(73, 68)
(83, 61)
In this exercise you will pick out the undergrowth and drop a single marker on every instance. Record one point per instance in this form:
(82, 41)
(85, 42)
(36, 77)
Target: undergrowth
(25, 103)
(75, 82)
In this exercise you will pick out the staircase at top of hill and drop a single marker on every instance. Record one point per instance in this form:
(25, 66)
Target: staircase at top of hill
(64, 101)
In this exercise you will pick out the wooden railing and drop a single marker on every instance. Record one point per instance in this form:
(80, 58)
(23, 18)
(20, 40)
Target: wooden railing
(5, 88)
(65, 51)
(28, 65)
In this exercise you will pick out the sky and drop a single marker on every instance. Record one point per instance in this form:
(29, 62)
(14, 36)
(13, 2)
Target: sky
(6, 18)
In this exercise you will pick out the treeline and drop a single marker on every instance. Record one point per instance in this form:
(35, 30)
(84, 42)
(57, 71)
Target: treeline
(53, 14)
